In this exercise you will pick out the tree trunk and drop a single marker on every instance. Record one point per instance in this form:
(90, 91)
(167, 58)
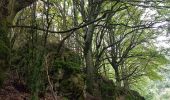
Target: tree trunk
(124, 74)
(89, 59)
(93, 9)
(8, 10)
(117, 75)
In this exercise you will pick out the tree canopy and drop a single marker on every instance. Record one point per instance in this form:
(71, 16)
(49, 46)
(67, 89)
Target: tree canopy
(83, 49)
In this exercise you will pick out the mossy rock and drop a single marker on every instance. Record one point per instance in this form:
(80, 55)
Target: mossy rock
(110, 91)
(107, 89)
(69, 67)
(134, 95)
(64, 70)
(73, 87)
(128, 94)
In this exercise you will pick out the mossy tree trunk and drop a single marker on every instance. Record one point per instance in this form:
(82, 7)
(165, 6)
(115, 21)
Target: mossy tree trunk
(93, 9)
(4, 49)
(8, 10)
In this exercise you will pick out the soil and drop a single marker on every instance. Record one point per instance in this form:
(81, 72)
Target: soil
(13, 89)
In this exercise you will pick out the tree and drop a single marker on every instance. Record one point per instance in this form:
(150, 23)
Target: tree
(127, 32)
(8, 10)
(105, 33)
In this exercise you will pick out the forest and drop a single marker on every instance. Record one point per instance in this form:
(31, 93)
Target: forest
(84, 50)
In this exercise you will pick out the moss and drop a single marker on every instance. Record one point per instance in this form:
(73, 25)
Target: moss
(65, 71)
(70, 67)
(108, 90)
(72, 88)
(71, 82)
(4, 51)
(4, 41)
(134, 95)
(128, 94)
(111, 92)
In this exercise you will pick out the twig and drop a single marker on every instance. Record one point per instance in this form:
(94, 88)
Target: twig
(65, 31)
(48, 77)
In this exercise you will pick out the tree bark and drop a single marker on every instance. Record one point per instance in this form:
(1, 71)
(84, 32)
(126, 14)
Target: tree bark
(93, 9)
(89, 59)
(124, 74)
(117, 75)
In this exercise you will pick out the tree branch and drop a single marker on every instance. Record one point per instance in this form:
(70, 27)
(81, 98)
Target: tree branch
(66, 31)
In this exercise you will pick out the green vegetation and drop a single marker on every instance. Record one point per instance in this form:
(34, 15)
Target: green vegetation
(85, 49)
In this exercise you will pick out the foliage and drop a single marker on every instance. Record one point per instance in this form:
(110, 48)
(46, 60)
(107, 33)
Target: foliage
(70, 67)
(90, 38)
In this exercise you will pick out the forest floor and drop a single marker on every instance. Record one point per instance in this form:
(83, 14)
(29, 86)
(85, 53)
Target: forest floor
(15, 90)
